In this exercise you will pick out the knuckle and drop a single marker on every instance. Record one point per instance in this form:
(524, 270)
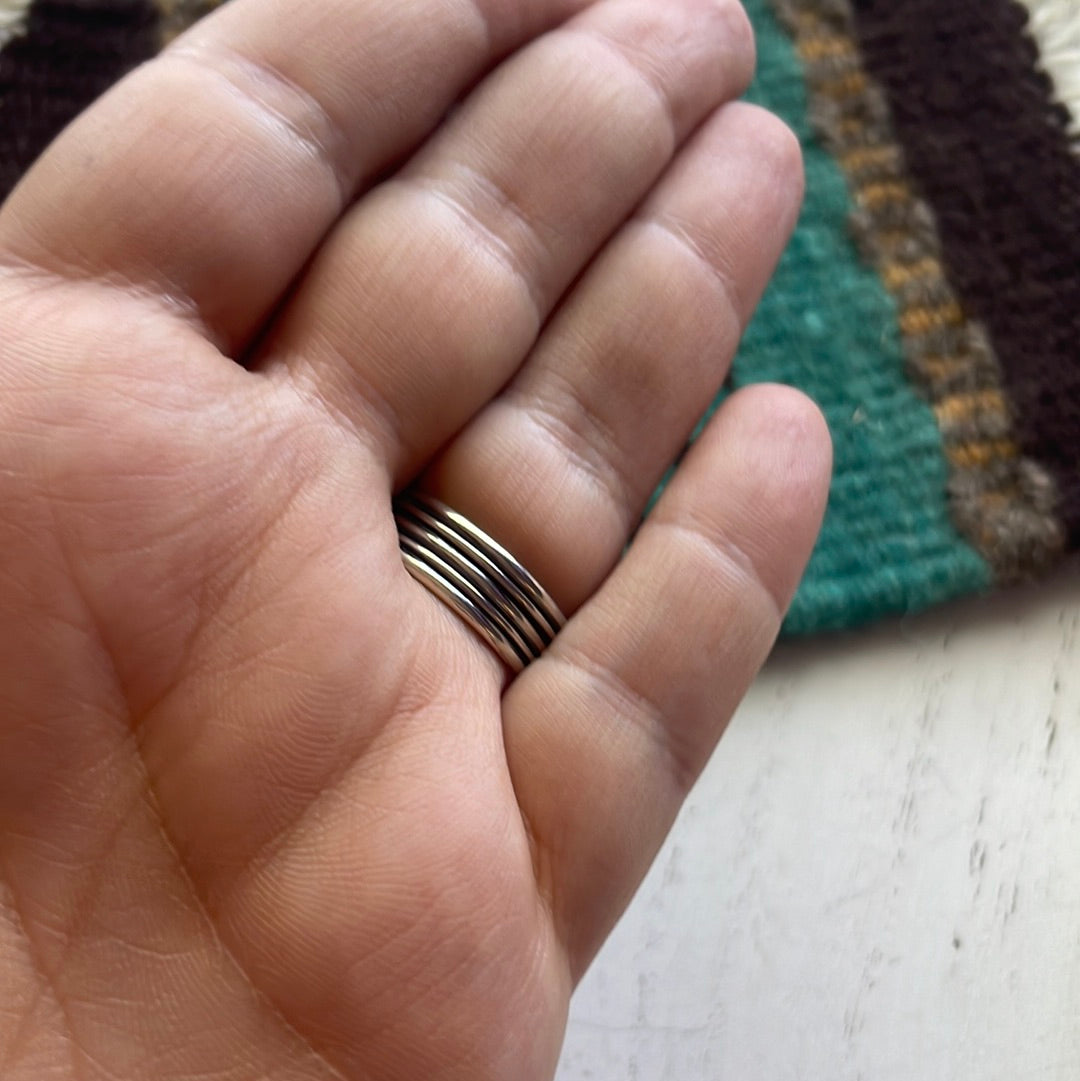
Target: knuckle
(262, 97)
(629, 60)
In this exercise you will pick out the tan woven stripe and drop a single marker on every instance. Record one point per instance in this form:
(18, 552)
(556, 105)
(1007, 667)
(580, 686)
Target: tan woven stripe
(178, 15)
(1002, 503)
(12, 19)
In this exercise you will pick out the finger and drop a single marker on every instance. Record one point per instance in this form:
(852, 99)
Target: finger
(208, 176)
(606, 733)
(559, 467)
(433, 289)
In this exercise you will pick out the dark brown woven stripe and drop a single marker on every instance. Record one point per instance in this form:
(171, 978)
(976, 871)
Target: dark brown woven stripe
(70, 52)
(988, 148)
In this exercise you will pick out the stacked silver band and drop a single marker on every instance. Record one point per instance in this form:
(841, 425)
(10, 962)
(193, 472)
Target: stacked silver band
(477, 578)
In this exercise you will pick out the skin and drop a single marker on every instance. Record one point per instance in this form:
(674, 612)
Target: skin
(267, 808)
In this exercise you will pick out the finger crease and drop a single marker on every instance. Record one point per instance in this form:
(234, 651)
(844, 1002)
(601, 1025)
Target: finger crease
(287, 105)
(157, 290)
(643, 75)
(675, 231)
(490, 238)
(720, 547)
(305, 383)
(629, 704)
(589, 445)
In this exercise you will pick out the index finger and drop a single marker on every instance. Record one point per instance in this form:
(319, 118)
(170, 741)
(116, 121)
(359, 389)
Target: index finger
(209, 175)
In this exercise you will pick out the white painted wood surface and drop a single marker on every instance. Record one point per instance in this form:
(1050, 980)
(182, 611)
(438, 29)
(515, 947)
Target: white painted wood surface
(878, 877)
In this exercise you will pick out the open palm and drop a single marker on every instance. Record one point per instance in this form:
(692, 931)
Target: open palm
(268, 809)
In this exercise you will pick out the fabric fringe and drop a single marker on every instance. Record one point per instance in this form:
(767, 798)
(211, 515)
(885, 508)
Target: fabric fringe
(1055, 27)
(12, 19)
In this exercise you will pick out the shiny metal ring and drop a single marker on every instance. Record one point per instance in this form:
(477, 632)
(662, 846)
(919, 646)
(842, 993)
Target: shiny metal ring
(478, 579)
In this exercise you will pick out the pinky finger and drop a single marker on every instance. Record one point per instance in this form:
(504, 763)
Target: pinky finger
(608, 731)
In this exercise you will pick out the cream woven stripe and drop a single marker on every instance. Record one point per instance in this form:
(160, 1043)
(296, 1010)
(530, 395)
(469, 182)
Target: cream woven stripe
(1055, 26)
(12, 18)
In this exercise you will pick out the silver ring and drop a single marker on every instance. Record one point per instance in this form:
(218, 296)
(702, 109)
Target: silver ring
(478, 579)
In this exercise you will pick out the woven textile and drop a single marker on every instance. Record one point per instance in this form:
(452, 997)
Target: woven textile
(929, 300)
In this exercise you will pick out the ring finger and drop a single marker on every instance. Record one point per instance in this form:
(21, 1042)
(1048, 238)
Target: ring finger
(560, 465)
(428, 295)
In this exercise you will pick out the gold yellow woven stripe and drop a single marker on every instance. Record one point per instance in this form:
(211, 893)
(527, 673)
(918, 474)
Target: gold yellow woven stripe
(865, 158)
(813, 48)
(982, 455)
(916, 319)
(959, 408)
(851, 84)
(924, 269)
(879, 193)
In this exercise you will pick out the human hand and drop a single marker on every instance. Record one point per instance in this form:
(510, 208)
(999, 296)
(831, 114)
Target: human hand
(267, 808)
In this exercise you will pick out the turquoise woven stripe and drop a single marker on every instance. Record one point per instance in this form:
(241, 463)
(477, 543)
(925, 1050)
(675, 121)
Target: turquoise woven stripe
(828, 326)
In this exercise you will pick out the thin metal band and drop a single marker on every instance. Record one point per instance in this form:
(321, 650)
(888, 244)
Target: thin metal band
(478, 579)
(482, 608)
(510, 576)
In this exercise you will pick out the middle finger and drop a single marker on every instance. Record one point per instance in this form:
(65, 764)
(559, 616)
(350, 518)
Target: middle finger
(428, 295)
